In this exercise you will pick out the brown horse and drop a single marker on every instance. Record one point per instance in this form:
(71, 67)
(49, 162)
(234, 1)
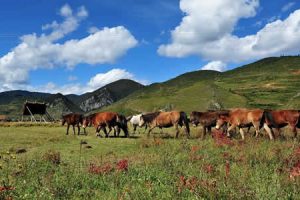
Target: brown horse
(166, 120)
(73, 119)
(242, 118)
(281, 118)
(207, 120)
(106, 119)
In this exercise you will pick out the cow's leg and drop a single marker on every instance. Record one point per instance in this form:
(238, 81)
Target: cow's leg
(204, 132)
(232, 127)
(73, 129)
(98, 129)
(118, 131)
(242, 133)
(269, 131)
(115, 132)
(256, 127)
(134, 128)
(84, 131)
(68, 129)
(150, 129)
(177, 130)
(294, 130)
(105, 132)
(146, 126)
(161, 131)
(248, 130)
(209, 130)
(78, 129)
(109, 128)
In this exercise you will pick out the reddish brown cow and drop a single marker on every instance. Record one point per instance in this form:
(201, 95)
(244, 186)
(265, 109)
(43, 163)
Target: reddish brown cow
(73, 119)
(281, 118)
(106, 119)
(166, 120)
(242, 118)
(207, 120)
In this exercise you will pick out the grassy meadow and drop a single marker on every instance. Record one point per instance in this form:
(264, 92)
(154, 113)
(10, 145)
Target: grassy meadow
(56, 166)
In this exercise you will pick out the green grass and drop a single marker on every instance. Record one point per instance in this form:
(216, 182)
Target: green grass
(159, 167)
(271, 83)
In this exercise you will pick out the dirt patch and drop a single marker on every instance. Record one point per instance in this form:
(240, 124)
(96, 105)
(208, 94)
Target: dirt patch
(272, 86)
(296, 72)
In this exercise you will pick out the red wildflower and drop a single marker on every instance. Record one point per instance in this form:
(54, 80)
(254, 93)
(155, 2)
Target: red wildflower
(187, 183)
(181, 184)
(221, 139)
(297, 151)
(226, 155)
(295, 171)
(6, 188)
(191, 183)
(208, 168)
(103, 169)
(194, 149)
(122, 165)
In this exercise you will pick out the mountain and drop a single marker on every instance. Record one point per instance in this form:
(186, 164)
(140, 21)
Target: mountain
(11, 102)
(59, 104)
(272, 83)
(106, 95)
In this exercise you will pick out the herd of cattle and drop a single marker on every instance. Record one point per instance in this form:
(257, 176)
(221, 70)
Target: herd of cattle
(228, 120)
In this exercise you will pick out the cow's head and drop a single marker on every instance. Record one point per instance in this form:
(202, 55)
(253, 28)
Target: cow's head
(194, 119)
(221, 121)
(142, 121)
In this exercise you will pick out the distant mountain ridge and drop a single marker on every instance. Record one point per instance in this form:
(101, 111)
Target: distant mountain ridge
(11, 102)
(270, 83)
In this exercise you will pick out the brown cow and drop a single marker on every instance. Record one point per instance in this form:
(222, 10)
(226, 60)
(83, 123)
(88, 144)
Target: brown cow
(106, 119)
(166, 120)
(242, 118)
(73, 119)
(207, 120)
(281, 118)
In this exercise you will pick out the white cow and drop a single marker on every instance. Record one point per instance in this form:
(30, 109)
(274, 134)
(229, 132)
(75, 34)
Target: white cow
(135, 121)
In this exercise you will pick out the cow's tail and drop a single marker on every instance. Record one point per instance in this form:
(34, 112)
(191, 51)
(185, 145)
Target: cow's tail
(268, 116)
(185, 121)
(298, 124)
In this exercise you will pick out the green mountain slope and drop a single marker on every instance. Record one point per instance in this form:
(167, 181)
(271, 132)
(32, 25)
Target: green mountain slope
(11, 102)
(269, 83)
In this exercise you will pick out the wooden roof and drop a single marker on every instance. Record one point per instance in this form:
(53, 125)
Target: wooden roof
(35, 108)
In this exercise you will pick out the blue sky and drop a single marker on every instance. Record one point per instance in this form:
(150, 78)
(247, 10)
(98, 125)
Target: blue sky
(68, 49)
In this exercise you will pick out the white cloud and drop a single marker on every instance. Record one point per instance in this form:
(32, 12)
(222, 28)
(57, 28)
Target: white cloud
(215, 65)
(102, 79)
(105, 45)
(287, 6)
(216, 41)
(72, 78)
(97, 81)
(66, 11)
(93, 30)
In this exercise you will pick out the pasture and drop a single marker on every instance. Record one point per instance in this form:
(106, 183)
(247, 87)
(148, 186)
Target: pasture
(56, 166)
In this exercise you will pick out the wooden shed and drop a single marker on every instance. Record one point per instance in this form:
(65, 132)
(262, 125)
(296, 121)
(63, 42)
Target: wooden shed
(33, 109)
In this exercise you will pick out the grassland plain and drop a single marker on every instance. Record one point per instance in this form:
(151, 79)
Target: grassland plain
(57, 166)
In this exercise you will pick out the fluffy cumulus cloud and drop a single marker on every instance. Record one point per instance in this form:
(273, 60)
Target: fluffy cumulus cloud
(207, 30)
(104, 45)
(97, 81)
(288, 6)
(102, 79)
(215, 65)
